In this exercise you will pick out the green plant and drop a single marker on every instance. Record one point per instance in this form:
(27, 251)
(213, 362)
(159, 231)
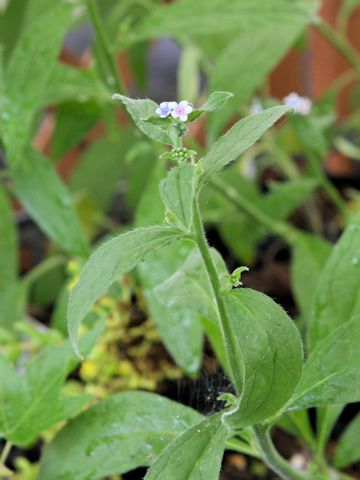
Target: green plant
(279, 371)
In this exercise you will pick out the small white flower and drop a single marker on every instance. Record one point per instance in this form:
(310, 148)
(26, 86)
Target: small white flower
(301, 105)
(181, 110)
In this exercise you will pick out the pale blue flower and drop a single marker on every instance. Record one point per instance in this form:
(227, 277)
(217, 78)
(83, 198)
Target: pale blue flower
(256, 107)
(165, 109)
(301, 105)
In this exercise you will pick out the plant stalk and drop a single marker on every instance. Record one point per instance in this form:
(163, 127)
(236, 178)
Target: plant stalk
(272, 458)
(234, 360)
(340, 43)
(42, 268)
(105, 50)
(5, 452)
(281, 229)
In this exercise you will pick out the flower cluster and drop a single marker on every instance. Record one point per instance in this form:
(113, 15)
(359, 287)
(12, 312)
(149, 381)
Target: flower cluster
(179, 110)
(301, 105)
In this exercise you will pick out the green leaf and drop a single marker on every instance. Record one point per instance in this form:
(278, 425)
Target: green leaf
(8, 242)
(331, 374)
(337, 297)
(239, 138)
(216, 101)
(309, 256)
(48, 201)
(216, 17)
(27, 74)
(140, 110)
(194, 455)
(348, 447)
(265, 47)
(285, 197)
(114, 258)
(12, 15)
(32, 401)
(298, 424)
(178, 191)
(270, 347)
(180, 328)
(189, 287)
(73, 122)
(12, 304)
(237, 228)
(188, 74)
(120, 433)
(326, 419)
(100, 169)
(68, 84)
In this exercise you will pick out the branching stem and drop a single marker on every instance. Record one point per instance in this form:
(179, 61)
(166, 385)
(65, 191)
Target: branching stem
(272, 458)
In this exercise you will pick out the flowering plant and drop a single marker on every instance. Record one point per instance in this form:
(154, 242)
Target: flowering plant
(165, 192)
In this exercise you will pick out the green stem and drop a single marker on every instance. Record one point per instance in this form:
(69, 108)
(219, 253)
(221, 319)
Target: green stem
(272, 458)
(340, 43)
(285, 163)
(5, 452)
(281, 229)
(234, 360)
(291, 171)
(105, 50)
(239, 446)
(327, 186)
(42, 268)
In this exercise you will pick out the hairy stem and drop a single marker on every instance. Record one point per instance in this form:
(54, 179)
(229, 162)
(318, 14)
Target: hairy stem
(44, 267)
(5, 452)
(105, 51)
(285, 231)
(289, 168)
(234, 360)
(272, 458)
(327, 186)
(340, 43)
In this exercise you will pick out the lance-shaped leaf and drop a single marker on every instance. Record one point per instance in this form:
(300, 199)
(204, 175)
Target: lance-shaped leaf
(216, 101)
(194, 455)
(120, 433)
(217, 16)
(8, 242)
(189, 286)
(332, 374)
(309, 256)
(265, 46)
(114, 258)
(140, 110)
(31, 402)
(27, 74)
(270, 347)
(179, 328)
(178, 191)
(47, 199)
(337, 298)
(348, 447)
(239, 138)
